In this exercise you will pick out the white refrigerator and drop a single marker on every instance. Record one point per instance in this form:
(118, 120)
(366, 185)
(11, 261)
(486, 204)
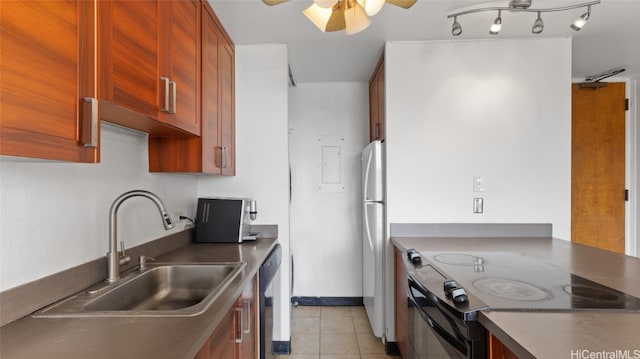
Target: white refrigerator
(373, 235)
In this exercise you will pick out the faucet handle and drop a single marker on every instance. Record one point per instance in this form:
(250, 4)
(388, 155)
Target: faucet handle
(124, 258)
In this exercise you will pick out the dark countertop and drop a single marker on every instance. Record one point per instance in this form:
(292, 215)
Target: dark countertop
(136, 337)
(557, 334)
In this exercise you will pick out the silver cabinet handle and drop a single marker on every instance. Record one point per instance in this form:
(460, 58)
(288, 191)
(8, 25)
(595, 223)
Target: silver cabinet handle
(240, 333)
(247, 304)
(224, 157)
(165, 81)
(173, 97)
(89, 122)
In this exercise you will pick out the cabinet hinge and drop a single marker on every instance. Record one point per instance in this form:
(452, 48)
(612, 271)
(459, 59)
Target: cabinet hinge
(626, 195)
(626, 104)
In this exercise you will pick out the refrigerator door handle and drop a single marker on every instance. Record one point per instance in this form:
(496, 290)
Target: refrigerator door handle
(366, 225)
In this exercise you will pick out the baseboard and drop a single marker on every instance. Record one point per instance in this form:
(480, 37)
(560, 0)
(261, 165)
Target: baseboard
(281, 347)
(391, 348)
(328, 301)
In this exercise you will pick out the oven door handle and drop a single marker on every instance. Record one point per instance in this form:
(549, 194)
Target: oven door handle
(460, 345)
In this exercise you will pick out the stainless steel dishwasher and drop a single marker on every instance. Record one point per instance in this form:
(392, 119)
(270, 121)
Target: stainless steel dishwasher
(268, 270)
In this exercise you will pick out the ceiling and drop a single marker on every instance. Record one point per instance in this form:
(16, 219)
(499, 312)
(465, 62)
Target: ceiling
(608, 40)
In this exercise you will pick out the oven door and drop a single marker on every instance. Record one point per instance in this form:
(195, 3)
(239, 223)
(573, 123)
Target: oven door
(432, 332)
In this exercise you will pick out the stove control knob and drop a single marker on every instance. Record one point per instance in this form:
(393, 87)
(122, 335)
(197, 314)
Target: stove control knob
(414, 256)
(459, 295)
(448, 286)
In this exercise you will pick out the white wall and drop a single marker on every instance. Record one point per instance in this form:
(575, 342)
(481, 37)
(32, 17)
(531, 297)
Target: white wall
(326, 227)
(500, 109)
(55, 215)
(262, 169)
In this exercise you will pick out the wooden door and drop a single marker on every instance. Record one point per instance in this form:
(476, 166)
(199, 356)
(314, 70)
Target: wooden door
(381, 102)
(180, 35)
(47, 68)
(249, 304)
(598, 167)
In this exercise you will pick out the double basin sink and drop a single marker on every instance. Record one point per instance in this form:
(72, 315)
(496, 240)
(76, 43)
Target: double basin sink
(159, 290)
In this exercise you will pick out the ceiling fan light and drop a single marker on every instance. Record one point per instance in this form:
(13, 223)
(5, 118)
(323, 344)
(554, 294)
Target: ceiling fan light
(356, 19)
(538, 25)
(371, 7)
(456, 29)
(496, 25)
(325, 3)
(318, 15)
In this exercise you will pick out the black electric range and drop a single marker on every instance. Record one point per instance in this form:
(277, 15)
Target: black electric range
(511, 281)
(446, 291)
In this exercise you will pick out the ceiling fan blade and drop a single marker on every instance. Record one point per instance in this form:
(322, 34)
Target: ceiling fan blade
(402, 3)
(273, 2)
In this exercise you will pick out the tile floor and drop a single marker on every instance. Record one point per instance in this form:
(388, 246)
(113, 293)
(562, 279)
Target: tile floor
(333, 333)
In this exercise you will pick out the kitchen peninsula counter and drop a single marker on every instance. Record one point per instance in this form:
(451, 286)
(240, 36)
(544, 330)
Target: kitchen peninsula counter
(138, 337)
(539, 334)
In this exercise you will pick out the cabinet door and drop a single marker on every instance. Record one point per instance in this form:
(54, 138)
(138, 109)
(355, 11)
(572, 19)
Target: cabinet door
(129, 45)
(381, 102)
(211, 41)
(249, 305)
(373, 109)
(227, 109)
(180, 35)
(401, 305)
(47, 53)
(222, 343)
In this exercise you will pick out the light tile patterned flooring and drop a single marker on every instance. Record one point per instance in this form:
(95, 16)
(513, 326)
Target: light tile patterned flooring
(333, 333)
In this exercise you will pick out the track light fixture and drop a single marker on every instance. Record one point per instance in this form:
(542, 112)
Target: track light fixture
(538, 25)
(456, 29)
(497, 24)
(581, 20)
(524, 6)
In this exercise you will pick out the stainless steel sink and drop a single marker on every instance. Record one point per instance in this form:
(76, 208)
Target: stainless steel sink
(160, 290)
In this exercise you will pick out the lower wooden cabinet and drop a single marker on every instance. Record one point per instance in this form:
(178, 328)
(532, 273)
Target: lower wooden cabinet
(401, 309)
(236, 337)
(497, 350)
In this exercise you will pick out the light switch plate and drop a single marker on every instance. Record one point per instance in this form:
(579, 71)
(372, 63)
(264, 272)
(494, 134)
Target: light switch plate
(478, 184)
(478, 205)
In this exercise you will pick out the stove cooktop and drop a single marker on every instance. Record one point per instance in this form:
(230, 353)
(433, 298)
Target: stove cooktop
(511, 281)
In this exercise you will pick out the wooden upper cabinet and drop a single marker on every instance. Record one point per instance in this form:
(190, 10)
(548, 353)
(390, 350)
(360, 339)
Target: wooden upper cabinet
(149, 63)
(181, 60)
(227, 139)
(377, 103)
(47, 53)
(214, 151)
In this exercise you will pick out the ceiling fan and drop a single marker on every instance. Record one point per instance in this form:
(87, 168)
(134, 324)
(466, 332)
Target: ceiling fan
(349, 15)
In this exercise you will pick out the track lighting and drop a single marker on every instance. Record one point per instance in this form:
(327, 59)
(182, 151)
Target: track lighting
(497, 24)
(456, 29)
(523, 6)
(538, 25)
(581, 20)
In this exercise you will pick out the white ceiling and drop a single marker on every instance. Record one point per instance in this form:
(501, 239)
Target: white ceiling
(610, 39)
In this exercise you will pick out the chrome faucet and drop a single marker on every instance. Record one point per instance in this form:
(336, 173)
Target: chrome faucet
(113, 261)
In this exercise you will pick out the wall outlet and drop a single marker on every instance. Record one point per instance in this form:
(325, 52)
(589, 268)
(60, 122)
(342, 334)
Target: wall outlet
(176, 217)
